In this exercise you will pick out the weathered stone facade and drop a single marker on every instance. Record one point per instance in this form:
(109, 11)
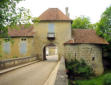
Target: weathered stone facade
(62, 34)
(91, 53)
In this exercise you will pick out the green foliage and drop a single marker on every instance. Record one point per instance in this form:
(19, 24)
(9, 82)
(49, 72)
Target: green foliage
(104, 25)
(0, 55)
(107, 79)
(78, 68)
(103, 28)
(82, 23)
(14, 57)
(10, 15)
(104, 79)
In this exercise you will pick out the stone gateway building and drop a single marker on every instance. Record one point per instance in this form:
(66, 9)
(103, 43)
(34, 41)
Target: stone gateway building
(54, 28)
(54, 35)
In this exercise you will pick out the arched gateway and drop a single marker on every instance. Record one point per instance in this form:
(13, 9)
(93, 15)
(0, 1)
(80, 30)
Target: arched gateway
(50, 52)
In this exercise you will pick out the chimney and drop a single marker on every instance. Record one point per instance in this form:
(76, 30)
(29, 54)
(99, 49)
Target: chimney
(67, 14)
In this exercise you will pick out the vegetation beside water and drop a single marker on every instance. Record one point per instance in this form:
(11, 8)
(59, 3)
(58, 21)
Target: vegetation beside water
(79, 73)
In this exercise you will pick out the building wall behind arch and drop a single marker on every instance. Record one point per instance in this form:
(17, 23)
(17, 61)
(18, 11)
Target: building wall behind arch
(62, 34)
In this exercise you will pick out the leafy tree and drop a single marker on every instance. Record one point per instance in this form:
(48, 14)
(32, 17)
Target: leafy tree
(10, 15)
(81, 22)
(103, 28)
(104, 25)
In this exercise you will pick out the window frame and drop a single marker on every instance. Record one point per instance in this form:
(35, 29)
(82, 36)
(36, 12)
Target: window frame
(7, 49)
(51, 28)
(21, 46)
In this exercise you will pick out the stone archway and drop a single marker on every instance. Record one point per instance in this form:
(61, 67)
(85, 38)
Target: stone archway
(50, 52)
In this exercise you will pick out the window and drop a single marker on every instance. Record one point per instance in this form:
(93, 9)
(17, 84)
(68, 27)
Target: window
(23, 47)
(51, 28)
(23, 39)
(93, 58)
(6, 47)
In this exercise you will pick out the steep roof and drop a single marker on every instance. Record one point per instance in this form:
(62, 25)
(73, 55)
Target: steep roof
(22, 31)
(53, 14)
(85, 36)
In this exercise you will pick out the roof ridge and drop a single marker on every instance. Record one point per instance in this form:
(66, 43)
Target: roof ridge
(53, 14)
(86, 36)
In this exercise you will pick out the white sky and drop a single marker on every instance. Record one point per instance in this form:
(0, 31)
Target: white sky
(91, 8)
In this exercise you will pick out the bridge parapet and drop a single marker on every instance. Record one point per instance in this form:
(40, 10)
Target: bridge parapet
(17, 61)
(58, 75)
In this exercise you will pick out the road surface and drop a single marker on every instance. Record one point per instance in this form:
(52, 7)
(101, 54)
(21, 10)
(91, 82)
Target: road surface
(35, 74)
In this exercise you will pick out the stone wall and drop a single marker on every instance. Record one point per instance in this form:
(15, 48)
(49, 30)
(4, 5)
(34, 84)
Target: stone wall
(62, 34)
(91, 53)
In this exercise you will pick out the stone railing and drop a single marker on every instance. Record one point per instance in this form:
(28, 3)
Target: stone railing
(16, 61)
(61, 78)
(58, 75)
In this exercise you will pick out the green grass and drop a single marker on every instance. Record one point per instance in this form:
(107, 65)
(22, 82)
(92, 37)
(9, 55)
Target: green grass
(93, 81)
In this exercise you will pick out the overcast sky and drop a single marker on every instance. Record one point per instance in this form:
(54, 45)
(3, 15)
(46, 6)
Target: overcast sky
(91, 8)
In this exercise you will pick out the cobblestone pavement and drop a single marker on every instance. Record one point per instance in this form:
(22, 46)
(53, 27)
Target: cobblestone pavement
(34, 74)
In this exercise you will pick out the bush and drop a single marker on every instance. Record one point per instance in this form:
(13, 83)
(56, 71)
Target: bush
(14, 57)
(78, 69)
(107, 79)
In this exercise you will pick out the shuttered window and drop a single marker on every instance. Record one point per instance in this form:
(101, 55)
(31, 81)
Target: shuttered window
(51, 28)
(6, 47)
(23, 47)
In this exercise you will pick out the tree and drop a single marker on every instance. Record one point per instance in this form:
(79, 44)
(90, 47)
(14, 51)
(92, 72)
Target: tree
(103, 28)
(82, 23)
(104, 25)
(10, 15)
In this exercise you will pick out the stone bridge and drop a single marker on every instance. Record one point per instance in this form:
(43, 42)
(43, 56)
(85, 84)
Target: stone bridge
(50, 72)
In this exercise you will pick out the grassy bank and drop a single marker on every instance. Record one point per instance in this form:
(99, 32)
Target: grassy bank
(92, 81)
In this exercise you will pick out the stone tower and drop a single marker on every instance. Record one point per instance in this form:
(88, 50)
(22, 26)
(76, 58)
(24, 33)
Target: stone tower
(53, 29)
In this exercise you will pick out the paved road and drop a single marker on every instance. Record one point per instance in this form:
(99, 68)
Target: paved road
(35, 74)
(52, 57)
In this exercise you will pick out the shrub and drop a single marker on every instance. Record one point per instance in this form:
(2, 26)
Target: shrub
(78, 83)
(14, 57)
(78, 69)
(107, 79)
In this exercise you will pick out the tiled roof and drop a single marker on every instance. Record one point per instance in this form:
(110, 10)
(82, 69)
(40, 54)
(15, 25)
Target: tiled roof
(53, 14)
(85, 36)
(22, 31)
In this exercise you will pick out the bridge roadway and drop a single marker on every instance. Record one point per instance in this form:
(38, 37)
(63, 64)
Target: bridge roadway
(34, 74)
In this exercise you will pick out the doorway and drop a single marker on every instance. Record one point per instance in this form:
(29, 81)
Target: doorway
(50, 52)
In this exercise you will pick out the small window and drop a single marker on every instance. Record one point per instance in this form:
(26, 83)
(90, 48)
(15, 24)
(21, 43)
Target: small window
(6, 47)
(23, 39)
(7, 39)
(23, 47)
(51, 28)
(93, 58)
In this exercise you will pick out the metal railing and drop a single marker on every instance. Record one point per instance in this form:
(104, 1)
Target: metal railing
(51, 35)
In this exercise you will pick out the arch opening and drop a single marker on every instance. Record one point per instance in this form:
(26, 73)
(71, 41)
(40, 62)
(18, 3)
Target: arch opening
(50, 52)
